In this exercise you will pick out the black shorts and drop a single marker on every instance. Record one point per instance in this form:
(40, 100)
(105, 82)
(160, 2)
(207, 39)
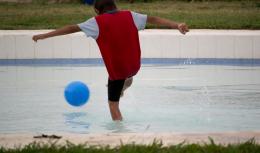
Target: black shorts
(115, 88)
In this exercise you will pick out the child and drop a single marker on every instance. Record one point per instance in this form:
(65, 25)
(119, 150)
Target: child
(116, 33)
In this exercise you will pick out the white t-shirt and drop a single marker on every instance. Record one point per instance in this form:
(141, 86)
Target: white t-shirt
(90, 27)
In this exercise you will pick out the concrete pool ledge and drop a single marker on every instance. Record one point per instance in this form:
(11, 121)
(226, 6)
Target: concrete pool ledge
(205, 43)
(116, 139)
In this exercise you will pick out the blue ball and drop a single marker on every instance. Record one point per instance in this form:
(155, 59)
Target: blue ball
(76, 93)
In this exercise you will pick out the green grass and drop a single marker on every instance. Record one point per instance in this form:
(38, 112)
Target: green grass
(156, 147)
(200, 15)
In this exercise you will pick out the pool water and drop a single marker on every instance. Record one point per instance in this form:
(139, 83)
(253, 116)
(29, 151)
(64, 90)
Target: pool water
(163, 98)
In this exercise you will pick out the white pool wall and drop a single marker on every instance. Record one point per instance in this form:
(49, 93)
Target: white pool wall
(237, 44)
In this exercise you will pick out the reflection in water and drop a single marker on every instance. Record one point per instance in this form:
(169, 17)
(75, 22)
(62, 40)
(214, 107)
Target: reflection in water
(116, 127)
(76, 121)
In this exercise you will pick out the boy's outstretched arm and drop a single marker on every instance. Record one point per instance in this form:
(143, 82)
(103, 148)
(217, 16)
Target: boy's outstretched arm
(62, 31)
(182, 27)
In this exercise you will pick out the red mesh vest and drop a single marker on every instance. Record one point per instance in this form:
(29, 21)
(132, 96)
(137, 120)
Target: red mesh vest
(118, 42)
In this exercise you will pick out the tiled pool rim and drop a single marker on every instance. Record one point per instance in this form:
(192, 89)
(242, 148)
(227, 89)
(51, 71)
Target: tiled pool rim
(117, 139)
(218, 45)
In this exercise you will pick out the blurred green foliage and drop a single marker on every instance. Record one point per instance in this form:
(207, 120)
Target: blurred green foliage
(249, 146)
(198, 15)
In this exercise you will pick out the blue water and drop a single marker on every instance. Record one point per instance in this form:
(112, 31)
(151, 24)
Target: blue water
(163, 98)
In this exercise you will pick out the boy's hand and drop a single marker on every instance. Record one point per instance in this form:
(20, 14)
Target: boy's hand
(61, 31)
(38, 37)
(183, 28)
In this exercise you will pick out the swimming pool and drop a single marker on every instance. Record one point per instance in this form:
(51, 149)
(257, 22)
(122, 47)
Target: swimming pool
(163, 98)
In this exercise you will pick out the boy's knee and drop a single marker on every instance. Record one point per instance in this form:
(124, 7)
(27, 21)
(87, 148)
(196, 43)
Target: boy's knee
(128, 82)
(113, 104)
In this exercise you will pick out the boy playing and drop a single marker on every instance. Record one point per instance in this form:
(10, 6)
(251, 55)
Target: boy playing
(116, 33)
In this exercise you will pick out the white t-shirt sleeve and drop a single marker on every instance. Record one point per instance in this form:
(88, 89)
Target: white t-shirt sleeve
(139, 20)
(90, 28)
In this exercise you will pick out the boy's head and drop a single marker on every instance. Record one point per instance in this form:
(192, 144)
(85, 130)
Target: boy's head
(102, 6)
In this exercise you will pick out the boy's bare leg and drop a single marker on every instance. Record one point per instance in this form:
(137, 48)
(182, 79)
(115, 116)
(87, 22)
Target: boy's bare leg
(114, 105)
(114, 111)
(127, 84)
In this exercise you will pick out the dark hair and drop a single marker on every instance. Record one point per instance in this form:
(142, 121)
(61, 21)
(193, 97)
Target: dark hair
(104, 5)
